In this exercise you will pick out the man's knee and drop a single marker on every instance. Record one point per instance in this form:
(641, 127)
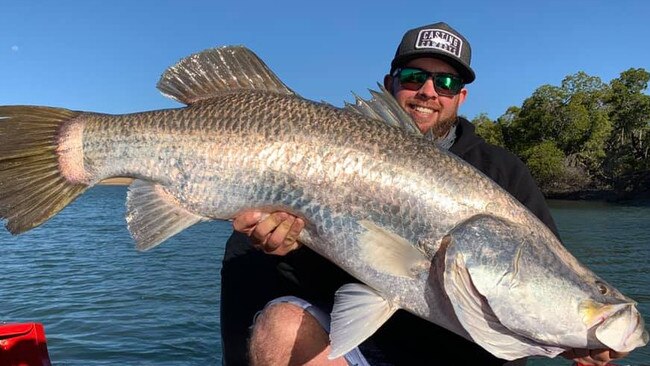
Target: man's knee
(279, 321)
(284, 333)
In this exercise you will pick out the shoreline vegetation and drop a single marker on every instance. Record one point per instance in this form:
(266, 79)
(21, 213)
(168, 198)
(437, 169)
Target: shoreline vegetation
(584, 139)
(600, 195)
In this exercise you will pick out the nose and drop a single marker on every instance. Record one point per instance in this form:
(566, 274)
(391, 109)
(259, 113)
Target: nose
(427, 89)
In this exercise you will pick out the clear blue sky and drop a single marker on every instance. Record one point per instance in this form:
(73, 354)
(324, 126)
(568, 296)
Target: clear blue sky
(107, 56)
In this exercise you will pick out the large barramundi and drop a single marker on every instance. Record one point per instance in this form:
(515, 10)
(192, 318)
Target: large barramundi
(421, 229)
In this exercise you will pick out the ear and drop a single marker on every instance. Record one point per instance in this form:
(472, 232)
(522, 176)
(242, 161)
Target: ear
(462, 96)
(388, 83)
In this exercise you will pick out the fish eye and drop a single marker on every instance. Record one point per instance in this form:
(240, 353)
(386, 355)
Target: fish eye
(602, 287)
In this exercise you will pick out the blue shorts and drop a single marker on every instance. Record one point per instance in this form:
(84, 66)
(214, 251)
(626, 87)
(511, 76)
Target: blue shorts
(354, 357)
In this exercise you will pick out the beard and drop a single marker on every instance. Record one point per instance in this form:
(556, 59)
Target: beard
(438, 128)
(442, 127)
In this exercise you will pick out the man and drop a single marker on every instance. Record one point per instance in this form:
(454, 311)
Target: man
(427, 78)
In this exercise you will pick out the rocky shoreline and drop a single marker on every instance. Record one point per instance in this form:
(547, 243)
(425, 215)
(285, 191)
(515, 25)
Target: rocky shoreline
(606, 195)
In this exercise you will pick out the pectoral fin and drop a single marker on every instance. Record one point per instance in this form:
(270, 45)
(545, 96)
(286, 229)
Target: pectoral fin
(389, 252)
(358, 312)
(153, 216)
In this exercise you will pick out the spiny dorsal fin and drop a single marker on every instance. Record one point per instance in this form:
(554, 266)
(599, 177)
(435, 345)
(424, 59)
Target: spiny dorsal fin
(218, 70)
(153, 215)
(384, 107)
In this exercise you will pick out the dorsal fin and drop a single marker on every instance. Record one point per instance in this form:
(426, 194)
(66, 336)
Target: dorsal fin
(215, 71)
(384, 107)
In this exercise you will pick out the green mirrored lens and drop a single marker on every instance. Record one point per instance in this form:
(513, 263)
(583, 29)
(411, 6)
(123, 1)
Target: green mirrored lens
(412, 76)
(451, 84)
(444, 81)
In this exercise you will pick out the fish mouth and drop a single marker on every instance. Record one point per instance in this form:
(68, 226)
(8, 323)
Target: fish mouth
(617, 326)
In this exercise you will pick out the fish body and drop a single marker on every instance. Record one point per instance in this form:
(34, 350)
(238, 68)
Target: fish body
(421, 229)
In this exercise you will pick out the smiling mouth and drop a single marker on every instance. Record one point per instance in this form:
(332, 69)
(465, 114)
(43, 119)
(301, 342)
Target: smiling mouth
(422, 109)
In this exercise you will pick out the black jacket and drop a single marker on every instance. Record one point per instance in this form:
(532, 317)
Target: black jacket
(504, 168)
(250, 278)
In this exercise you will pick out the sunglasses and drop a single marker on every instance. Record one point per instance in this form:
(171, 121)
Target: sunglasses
(412, 78)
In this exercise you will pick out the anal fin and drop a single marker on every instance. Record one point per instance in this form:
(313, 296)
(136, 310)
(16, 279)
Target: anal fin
(153, 216)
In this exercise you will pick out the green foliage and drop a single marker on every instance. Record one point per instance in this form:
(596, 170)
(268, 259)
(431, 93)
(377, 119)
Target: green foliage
(488, 130)
(537, 120)
(546, 162)
(627, 166)
(584, 134)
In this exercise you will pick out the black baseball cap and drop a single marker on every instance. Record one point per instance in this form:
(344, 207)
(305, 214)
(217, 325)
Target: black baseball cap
(437, 40)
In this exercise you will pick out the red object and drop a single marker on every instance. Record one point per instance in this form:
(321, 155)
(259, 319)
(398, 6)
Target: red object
(23, 344)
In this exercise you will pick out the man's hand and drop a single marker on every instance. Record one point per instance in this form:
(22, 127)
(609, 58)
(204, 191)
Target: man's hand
(274, 233)
(597, 357)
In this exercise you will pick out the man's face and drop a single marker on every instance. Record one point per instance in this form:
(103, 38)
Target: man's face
(429, 110)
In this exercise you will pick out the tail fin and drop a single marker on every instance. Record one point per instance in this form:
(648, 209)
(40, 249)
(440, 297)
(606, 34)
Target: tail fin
(32, 189)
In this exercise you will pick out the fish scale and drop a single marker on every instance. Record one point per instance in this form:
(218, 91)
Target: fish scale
(420, 229)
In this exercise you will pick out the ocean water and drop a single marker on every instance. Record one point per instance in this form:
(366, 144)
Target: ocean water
(104, 303)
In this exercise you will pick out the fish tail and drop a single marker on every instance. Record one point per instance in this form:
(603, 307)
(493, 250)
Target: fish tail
(33, 187)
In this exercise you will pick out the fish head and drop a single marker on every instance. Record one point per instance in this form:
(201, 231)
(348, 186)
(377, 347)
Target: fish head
(518, 292)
